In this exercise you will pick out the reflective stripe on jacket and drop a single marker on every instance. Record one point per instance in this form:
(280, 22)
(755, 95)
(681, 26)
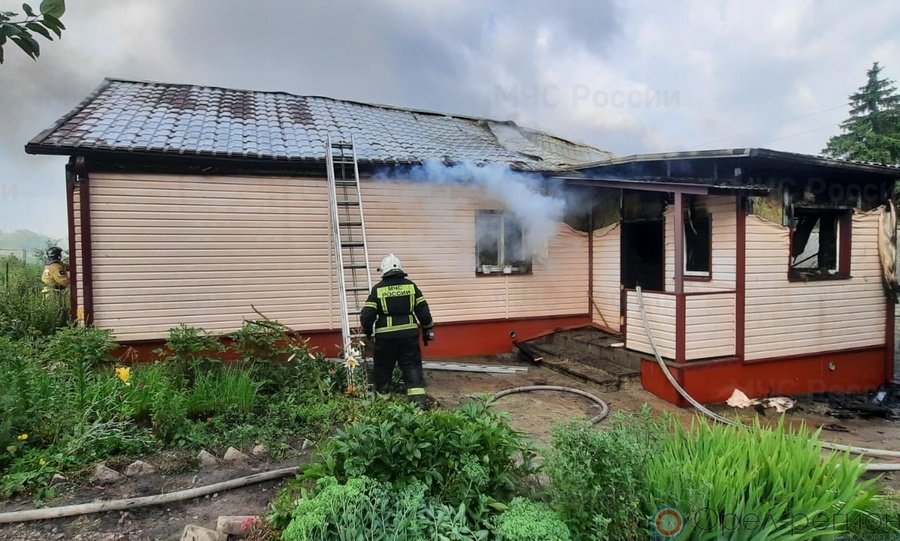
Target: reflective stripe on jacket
(395, 308)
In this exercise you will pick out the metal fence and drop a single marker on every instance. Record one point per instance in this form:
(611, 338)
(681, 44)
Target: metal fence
(13, 258)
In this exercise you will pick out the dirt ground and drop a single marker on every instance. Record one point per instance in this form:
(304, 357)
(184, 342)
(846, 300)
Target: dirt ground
(533, 413)
(160, 523)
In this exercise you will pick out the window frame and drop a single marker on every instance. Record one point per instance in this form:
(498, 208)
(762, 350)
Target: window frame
(500, 270)
(844, 234)
(698, 276)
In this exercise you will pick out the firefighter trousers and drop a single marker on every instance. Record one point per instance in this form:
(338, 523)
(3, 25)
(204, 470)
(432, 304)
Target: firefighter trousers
(404, 352)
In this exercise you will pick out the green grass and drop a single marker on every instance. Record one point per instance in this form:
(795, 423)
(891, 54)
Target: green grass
(63, 406)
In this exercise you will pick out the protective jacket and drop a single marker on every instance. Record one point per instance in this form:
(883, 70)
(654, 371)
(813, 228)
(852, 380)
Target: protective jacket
(395, 308)
(55, 276)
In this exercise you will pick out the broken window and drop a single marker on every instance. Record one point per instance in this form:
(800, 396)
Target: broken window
(500, 244)
(820, 241)
(697, 244)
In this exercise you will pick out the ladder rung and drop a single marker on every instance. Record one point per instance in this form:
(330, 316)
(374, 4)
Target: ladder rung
(350, 224)
(340, 144)
(356, 288)
(352, 244)
(343, 162)
(348, 203)
(354, 311)
(355, 266)
(345, 182)
(358, 335)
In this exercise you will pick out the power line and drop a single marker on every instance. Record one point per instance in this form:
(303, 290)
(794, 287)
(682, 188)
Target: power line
(739, 134)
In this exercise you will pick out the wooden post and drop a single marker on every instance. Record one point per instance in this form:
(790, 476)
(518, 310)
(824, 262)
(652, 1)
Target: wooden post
(680, 301)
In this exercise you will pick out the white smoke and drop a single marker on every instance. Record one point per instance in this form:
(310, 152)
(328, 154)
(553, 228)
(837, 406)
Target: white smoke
(523, 195)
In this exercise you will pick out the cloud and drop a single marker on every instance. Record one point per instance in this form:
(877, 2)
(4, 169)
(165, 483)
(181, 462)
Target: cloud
(630, 77)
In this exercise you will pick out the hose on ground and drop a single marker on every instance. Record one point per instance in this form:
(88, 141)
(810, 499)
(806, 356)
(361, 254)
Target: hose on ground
(144, 501)
(713, 415)
(604, 409)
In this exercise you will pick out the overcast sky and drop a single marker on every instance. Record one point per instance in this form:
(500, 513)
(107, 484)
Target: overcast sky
(624, 76)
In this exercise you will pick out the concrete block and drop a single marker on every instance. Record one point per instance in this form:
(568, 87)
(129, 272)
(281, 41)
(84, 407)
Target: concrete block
(192, 532)
(236, 525)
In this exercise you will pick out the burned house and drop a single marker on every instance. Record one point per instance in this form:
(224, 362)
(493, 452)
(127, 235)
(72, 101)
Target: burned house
(198, 205)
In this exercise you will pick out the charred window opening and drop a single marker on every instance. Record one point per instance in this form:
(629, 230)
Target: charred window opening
(500, 244)
(820, 243)
(697, 243)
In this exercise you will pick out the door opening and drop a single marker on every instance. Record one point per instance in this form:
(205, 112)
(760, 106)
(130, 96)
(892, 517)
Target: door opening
(643, 254)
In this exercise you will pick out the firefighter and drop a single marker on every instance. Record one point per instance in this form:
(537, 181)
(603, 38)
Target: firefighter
(55, 276)
(393, 313)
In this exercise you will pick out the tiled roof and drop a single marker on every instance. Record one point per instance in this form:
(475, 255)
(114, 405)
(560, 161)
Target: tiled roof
(189, 120)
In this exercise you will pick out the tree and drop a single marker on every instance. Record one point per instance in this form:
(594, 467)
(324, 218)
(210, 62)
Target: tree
(21, 29)
(872, 133)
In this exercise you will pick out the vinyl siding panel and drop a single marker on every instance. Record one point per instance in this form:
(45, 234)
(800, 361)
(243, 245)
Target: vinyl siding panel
(710, 326)
(723, 212)
(660, 309)
(793, 318)
(202, 251)
(432, 229)
(607, 277)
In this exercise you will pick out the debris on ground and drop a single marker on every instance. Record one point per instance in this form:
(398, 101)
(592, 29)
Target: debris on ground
(740, 400)
(883, 403)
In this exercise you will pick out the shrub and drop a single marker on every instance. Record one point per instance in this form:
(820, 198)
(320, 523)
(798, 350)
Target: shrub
(190, 351)
(24, 310)
(778, 475)
(469, 456)
(363, 508)
(530, 521)
(597, 481)
(78, 351)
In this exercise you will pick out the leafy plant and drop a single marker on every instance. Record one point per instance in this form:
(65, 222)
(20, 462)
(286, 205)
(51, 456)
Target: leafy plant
(597, 481)
(19, 30)
(190, 351)
(531, 521)
(80, 350)
(469, 456)
(759, 483)
(362, 508)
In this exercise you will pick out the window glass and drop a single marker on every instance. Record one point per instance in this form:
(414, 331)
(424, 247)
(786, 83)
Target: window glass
(815, 242)
(697, 244)
(500, 244)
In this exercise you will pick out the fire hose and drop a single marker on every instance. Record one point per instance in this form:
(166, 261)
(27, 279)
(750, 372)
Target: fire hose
(604, 409)
(887, 466)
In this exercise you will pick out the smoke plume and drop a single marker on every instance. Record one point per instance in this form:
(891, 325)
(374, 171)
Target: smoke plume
(538, 209)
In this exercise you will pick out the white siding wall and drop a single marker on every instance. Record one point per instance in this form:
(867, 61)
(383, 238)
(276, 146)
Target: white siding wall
(710, 324)
(200, 250)
(660, 310)
(607, 277)
(791, 318)
(722, 209)
(432, 230)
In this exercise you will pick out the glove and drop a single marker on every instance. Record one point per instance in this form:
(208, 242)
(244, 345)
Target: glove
(427, 336)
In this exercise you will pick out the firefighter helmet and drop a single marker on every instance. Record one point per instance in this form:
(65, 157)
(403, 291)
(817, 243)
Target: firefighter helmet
(390, 263)
(54, 253)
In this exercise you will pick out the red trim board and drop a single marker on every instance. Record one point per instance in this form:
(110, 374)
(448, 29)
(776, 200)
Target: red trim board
(460, 339)
(710, 382)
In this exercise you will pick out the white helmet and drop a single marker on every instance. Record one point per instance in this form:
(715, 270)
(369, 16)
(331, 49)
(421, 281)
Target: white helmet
(390, 263)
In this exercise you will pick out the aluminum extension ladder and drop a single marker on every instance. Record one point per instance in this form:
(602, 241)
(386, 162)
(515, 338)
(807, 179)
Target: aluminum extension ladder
(348, 226)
